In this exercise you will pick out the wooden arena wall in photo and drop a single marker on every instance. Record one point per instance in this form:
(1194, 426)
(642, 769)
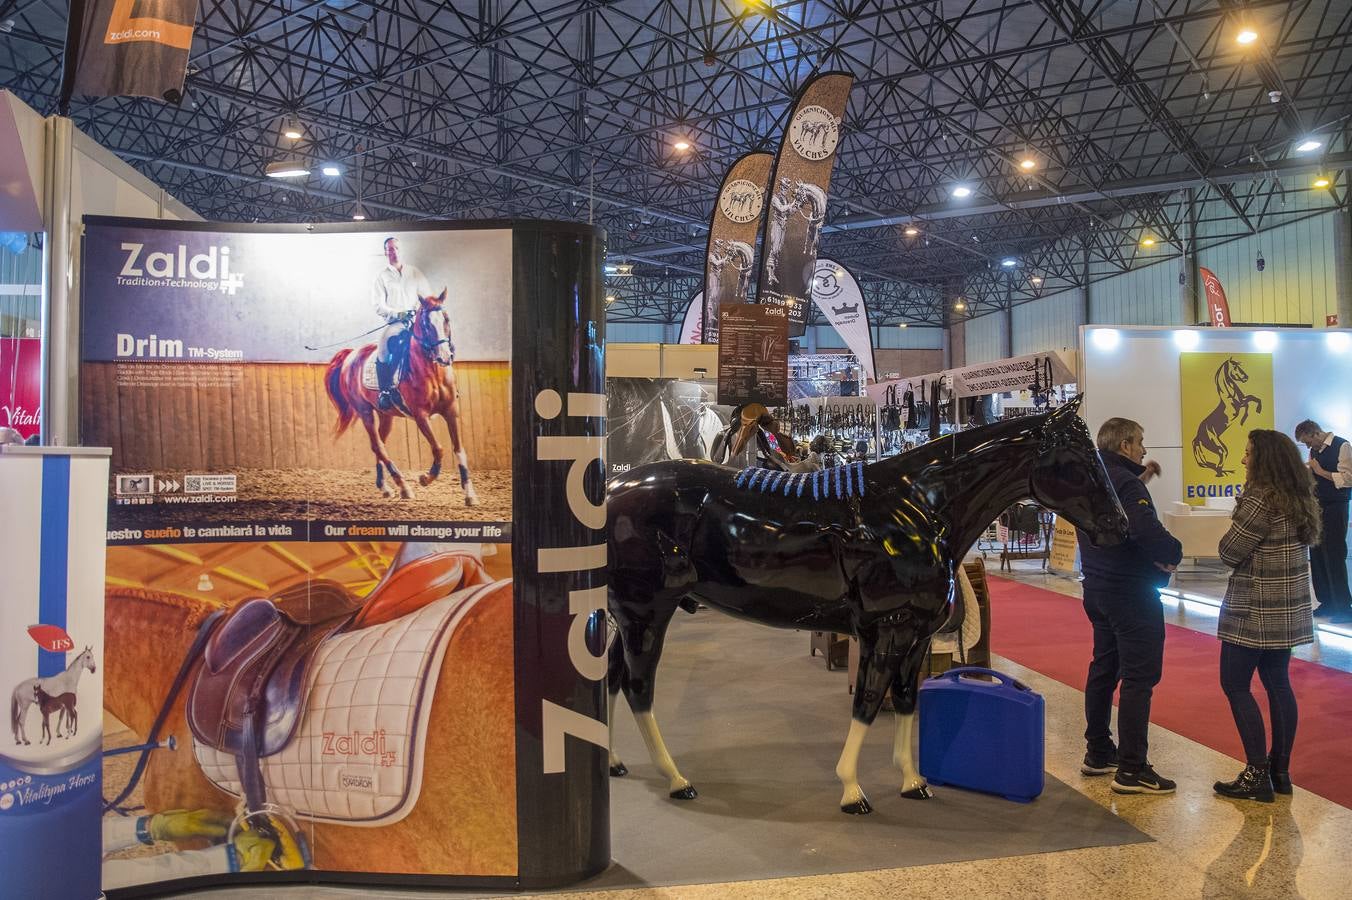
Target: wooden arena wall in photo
(278, 416)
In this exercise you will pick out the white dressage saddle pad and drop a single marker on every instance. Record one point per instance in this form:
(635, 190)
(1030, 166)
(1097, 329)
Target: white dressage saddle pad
(368, 374)
(357, 757)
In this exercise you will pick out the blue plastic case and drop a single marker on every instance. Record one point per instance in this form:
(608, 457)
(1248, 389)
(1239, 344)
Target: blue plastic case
(983, 736)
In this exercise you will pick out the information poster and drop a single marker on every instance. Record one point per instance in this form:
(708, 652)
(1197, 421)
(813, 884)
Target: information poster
(753, 354)
(1224, 397)
(261, 495)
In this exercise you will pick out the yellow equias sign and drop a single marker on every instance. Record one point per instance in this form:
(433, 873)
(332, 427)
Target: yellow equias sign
(1224, 397)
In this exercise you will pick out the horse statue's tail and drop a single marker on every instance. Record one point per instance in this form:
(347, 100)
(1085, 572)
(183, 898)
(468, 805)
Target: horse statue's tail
(333, 383)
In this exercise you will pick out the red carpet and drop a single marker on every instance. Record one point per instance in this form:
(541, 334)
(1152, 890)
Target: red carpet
(1048, 633)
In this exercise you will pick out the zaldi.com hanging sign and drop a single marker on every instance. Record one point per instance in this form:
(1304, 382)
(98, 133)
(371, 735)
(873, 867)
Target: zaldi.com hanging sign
(1224, 397)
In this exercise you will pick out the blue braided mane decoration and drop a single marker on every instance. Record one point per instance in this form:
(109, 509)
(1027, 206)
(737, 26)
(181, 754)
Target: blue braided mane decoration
(838, 482)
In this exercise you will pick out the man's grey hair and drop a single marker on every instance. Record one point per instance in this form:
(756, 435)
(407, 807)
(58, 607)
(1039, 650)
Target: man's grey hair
(1308, 428)
(1114, 432)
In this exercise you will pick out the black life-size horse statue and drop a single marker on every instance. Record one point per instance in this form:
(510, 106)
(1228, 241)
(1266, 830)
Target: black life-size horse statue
(869, 550)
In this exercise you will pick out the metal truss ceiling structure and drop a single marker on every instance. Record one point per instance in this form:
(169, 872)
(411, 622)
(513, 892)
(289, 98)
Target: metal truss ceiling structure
(1138, 116)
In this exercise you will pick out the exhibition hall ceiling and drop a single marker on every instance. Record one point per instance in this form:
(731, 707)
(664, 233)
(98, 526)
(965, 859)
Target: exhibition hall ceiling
(1089, 133)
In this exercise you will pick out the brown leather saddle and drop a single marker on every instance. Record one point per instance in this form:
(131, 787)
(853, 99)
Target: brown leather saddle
(250, 691)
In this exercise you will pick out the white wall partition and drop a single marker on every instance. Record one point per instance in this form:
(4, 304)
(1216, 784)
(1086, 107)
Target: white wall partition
(1134, 372)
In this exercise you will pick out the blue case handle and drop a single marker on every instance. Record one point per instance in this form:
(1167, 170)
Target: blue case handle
(955, 674)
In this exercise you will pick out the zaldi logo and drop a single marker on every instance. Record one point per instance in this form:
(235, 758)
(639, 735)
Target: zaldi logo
(176, 269)
(814, 133)
(123, 27)
(1225, 395)
(741, 201)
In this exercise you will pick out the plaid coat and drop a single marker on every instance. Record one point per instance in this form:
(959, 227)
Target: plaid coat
(1267, 603)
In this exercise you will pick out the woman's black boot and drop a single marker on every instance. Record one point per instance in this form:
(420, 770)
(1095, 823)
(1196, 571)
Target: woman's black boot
(1254, 783)
(1281, 777)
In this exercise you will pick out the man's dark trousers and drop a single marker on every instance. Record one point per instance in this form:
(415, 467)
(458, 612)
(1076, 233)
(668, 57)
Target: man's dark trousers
(1128, 621)
(1328, 560)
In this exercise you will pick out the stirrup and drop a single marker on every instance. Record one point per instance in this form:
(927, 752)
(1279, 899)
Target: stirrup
(275, 822)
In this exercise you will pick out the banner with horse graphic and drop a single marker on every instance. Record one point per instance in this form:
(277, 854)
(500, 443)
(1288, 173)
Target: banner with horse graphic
(317, 658)
(730, 256)
(1224, 397)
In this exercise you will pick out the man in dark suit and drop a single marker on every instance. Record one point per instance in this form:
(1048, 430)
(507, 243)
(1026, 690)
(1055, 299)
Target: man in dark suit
(1331, 464)
(1121, 598)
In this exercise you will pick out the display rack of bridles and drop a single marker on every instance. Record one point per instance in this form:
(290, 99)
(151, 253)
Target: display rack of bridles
(850, 427)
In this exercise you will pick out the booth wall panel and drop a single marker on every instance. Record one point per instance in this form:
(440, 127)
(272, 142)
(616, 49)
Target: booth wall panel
(1298, 285)
(985, 338)
(1145, 296)
(252, 427)
(635, 333)
(1051, 323)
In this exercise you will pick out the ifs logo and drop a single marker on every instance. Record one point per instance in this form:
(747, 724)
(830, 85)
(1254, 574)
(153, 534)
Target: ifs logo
(814, 133)
(208, 270)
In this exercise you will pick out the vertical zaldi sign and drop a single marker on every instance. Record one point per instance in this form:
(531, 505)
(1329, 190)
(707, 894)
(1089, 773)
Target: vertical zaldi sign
(798, 191)
(753, 355)
(731, 254)
(127, 48)
(1224, 397)
(1217, 307)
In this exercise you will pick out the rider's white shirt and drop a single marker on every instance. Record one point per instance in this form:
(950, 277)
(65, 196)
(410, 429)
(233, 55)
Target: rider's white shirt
(396, 292)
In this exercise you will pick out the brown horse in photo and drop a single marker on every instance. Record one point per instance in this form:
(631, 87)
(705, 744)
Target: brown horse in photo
(63, 706)
(427, 387)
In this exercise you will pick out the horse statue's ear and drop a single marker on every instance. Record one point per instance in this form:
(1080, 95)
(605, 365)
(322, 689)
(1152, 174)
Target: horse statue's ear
(1067, 410)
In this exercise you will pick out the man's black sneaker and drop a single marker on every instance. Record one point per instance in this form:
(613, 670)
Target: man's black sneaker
(1146, 781)
(1099, 764)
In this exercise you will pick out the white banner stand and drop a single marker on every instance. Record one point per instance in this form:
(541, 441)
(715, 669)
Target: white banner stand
(54, 505)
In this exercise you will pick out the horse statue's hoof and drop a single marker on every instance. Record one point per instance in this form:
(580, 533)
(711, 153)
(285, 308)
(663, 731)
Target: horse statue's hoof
(619, 770)
(686, 793)
(918, 793)
(860, 807)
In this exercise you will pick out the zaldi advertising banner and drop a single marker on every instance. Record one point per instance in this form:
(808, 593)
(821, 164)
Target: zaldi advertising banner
(730, 256)
(692, 323)
(1218, 308)
(128, 48)
(753, 355)
(837, 295)
(798, 191)
(1224, 397)
(333, 642)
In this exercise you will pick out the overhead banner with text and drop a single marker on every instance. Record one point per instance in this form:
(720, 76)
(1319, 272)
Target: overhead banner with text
(838, 296)
(127, 48)
(1224, 397)
(730, 256)
(753, 355)
(1217, 307)
(798, 192)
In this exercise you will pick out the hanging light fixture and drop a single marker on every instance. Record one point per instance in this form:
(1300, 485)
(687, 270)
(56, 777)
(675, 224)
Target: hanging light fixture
(291, 130)
(1246, 37)
(911, 231)
(286, 168)
(359, 212)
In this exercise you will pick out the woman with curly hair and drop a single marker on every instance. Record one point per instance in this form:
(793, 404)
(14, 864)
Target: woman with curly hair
(1266, 610)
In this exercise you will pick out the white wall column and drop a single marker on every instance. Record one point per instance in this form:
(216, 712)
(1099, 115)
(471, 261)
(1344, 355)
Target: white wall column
(60, 310)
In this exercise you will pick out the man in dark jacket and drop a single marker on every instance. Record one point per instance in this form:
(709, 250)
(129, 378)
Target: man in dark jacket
(1121, 598)
(1331, 464)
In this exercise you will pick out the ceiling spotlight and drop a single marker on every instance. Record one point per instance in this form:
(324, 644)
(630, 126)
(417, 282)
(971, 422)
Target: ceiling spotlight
(902, 324)
(624, 269)
(911, 231)
(610, 298)
(291, 130)
(682, 145)
(286, 168)
(1322, 181)
(960, 306)
(1246, 37)
(1309, 144)
(961, 191)
(1008, 262)
(1028, 164)
(1036, 279)
(359, 213)
(331, 171)
(1147, 241)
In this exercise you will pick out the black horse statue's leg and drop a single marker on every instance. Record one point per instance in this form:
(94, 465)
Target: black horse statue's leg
(879, 658)
(614, 679)
(642, 631)
(905, 693)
